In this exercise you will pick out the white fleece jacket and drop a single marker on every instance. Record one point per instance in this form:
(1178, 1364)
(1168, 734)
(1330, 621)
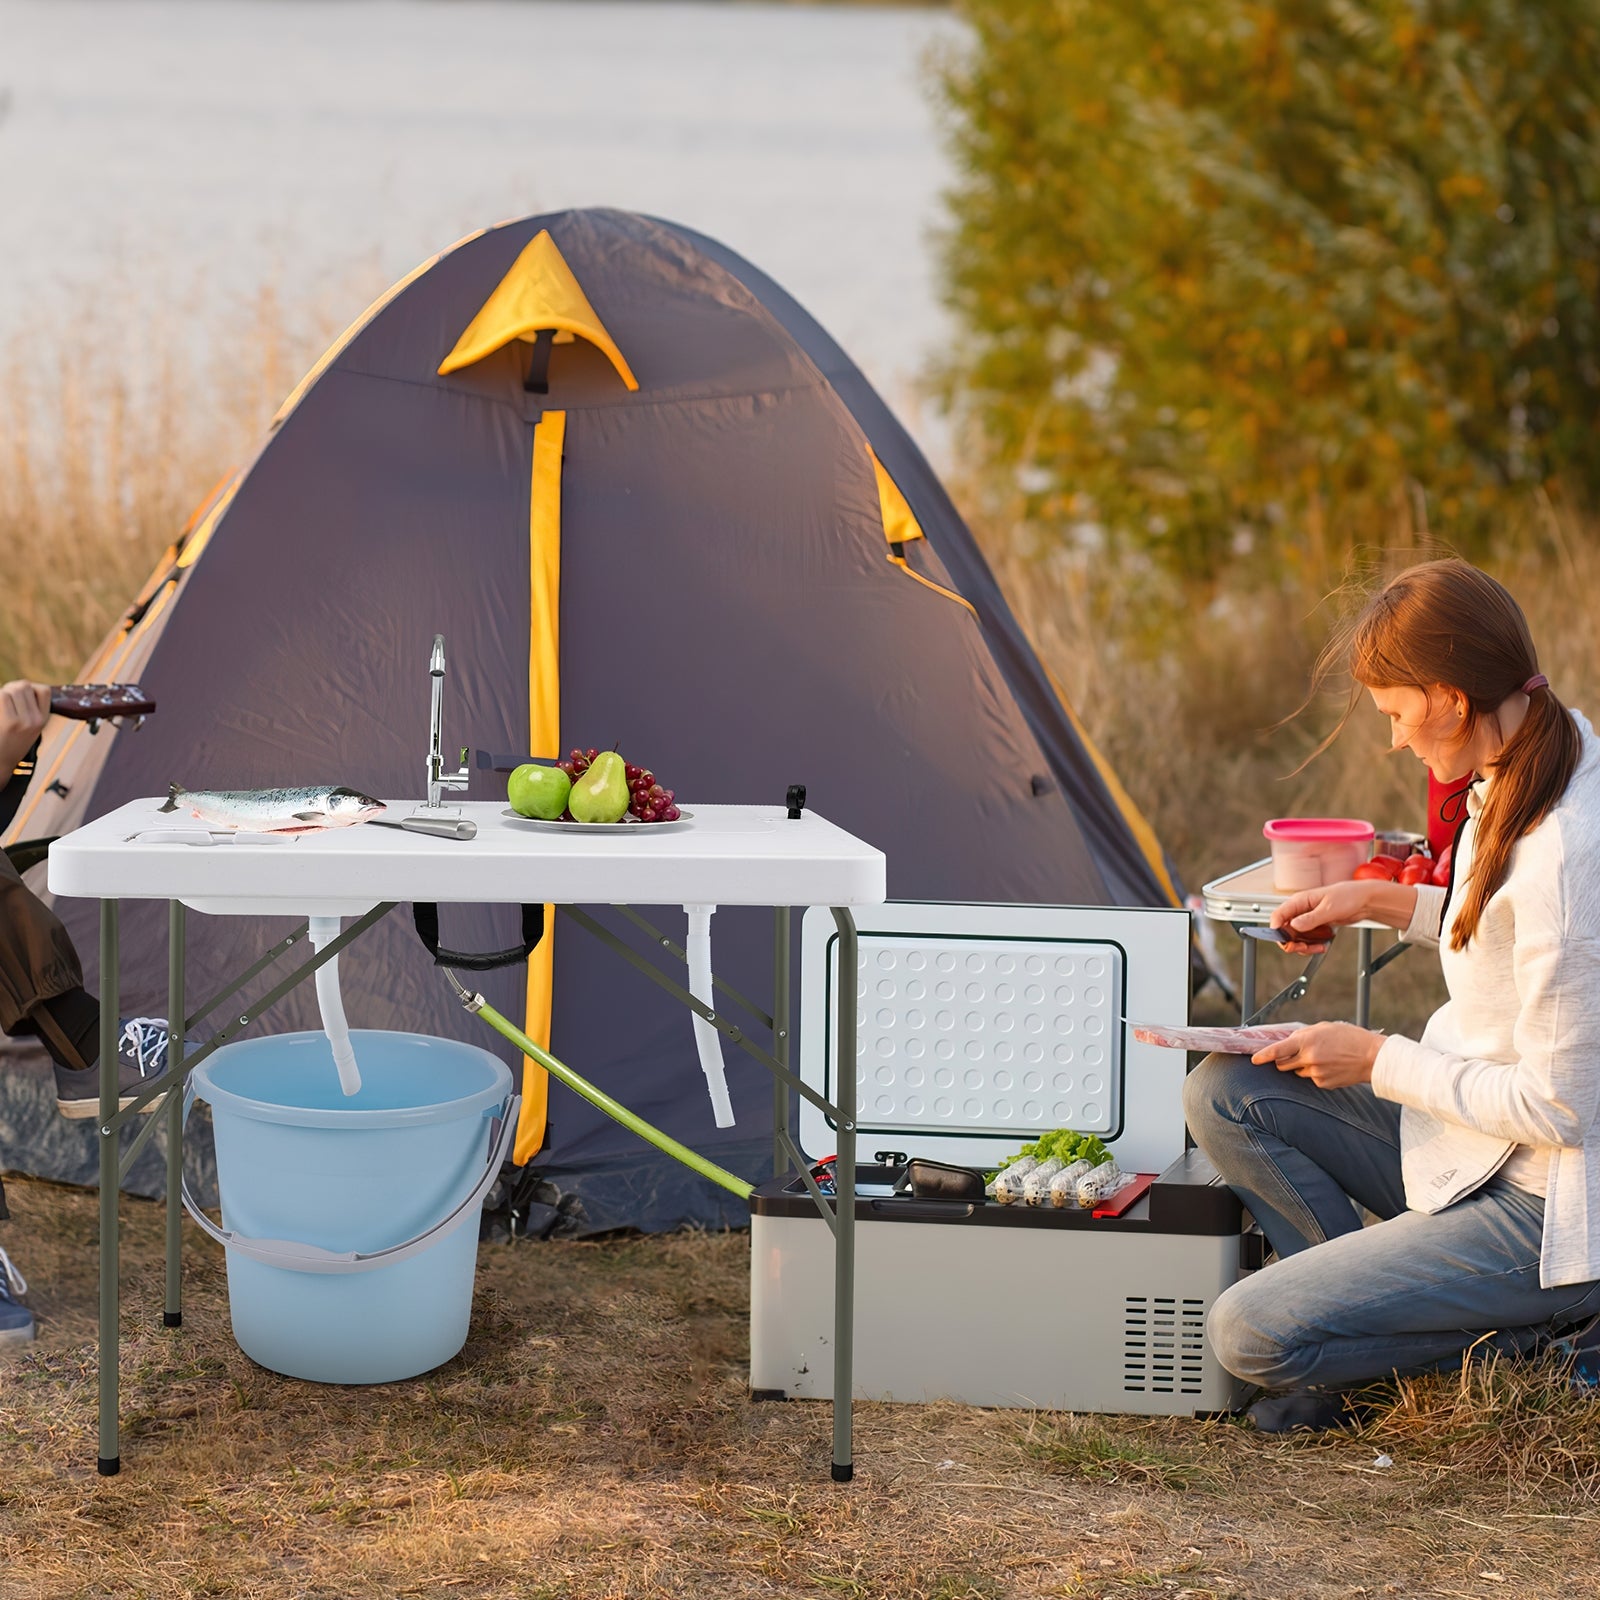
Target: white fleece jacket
(1513, 1058)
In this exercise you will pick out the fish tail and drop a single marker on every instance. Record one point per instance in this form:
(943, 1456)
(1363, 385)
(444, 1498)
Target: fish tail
(173, 791)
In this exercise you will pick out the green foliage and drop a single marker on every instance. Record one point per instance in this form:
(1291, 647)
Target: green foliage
(1247, 272)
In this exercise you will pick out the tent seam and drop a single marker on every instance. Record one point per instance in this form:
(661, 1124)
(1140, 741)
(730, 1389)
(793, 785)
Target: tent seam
(632, 401)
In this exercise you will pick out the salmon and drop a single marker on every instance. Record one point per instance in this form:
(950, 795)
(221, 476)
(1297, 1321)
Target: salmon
(275, 810)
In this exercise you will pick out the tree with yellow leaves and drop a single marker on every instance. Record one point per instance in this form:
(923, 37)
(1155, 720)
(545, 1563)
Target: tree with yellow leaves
(1240, 276)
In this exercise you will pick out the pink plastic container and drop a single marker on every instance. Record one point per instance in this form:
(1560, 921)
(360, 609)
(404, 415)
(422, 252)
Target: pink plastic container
(1308, 852)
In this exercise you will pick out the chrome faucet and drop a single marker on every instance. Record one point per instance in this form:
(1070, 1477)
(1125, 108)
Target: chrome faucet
(438, 779)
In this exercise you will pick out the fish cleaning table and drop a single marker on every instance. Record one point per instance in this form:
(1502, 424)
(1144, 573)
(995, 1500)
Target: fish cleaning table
(727, 855)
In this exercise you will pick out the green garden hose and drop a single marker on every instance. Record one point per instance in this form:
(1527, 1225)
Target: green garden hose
(598, 1098)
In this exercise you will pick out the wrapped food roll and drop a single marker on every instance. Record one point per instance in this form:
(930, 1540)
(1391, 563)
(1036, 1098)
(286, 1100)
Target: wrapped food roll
(1105, 1180)
(1036, 1186)
(1008, 1184)
(1064, 1186)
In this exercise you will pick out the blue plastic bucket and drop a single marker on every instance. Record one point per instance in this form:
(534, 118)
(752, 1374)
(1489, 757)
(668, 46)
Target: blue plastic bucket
(351, 1223)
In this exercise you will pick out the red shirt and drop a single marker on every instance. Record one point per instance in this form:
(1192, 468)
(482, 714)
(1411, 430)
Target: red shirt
(1442, 828)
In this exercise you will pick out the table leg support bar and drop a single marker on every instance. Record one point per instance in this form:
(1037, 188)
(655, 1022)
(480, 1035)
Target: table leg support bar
(676, 950)
(794, 1157)
(733, 1034)
(173, 1077)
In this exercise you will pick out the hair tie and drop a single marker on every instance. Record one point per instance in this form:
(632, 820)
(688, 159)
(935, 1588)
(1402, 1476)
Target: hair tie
(1537, 681)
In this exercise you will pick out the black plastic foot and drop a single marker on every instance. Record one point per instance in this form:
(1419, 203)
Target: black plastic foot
(171, 1319)
(759, 1396)
(843, 1474)
(110, 1466)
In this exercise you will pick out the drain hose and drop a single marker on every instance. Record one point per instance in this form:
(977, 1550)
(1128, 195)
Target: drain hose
(598, 1098)
(697, 947)
(324, 930)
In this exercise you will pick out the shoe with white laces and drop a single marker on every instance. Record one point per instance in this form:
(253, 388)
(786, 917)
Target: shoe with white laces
(16, 1320)
(141, 1054)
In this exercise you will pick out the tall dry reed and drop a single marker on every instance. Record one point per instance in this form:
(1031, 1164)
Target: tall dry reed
(108, 441)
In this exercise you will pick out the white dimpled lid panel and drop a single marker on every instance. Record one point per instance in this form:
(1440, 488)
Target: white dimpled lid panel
(984, 1035)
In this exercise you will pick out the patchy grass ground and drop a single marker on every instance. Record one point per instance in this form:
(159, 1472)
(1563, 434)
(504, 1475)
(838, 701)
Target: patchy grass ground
(595, 1440)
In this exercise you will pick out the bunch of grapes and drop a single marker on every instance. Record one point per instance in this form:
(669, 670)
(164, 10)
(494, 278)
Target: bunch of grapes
(647, 800)
(578, 763)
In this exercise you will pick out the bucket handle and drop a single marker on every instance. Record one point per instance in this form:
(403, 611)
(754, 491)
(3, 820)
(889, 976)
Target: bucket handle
(295, 1256)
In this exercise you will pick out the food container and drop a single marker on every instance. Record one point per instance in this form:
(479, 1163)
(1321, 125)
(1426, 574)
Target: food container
(1399, 844)
(1308, 852)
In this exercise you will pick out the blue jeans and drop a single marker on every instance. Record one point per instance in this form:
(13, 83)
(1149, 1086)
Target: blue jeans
(1345, 1304)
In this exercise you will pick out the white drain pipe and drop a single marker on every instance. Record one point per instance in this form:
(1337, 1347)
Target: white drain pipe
(697, 947)
(324, 930)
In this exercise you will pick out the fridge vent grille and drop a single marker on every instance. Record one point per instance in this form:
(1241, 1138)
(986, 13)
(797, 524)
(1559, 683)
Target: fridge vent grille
(1163, 1345)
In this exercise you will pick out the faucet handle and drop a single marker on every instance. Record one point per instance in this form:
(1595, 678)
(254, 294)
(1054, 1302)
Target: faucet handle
(460, 778)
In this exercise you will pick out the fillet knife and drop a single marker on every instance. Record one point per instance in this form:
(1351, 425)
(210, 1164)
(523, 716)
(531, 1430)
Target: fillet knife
(441, 827)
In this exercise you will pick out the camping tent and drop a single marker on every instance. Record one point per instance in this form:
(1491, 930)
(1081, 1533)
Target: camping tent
(648, 502)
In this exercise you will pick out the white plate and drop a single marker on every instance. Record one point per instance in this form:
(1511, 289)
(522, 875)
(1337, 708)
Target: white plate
(608, 829)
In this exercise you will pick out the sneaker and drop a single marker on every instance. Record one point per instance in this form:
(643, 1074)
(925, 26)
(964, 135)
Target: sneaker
(141, 1054)
(16, 1320)
(1304, 1411)
(1581, 1346)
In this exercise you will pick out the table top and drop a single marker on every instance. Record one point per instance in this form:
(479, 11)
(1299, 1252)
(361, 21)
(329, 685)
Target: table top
(726, 855)
(1246, 896)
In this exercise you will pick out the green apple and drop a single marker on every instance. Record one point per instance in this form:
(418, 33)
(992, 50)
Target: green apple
(536, 791)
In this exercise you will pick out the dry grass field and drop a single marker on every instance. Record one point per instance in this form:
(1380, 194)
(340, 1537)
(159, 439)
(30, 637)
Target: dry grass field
(595, 1439)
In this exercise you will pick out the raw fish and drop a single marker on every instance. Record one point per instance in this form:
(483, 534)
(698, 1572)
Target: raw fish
(275, 810)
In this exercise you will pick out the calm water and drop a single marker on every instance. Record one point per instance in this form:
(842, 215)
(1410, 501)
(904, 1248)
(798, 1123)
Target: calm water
(169, 157)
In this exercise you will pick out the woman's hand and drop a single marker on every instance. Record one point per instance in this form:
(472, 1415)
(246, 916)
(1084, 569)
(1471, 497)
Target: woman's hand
(1315, 913)
(1333, 1055)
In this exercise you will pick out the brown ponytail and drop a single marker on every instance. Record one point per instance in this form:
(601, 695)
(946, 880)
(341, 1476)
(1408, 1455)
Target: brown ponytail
(1447, 623)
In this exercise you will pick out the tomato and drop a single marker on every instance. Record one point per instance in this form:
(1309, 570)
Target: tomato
(1418, 859)
(1421, 872)
(1441, 867)
(1380, 869)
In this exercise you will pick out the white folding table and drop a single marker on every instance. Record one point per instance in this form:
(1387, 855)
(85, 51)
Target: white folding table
(727, 855)
(1246, 898)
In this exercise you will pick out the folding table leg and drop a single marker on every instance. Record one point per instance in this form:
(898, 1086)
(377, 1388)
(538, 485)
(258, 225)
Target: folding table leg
(844, 1180)
(780, 1036)
(1363, 977)
(110, 1190)
(172, 1316)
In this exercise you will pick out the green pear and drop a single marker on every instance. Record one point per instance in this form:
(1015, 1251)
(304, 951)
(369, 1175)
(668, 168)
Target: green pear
(536, 791)
(601, 794)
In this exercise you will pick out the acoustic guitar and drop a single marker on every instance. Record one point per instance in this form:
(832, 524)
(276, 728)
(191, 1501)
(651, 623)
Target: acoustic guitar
(95, 703)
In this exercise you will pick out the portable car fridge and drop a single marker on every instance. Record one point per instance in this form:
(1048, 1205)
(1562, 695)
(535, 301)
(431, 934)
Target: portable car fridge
(979, 1028)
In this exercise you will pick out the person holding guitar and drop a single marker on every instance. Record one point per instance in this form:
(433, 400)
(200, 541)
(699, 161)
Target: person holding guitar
(41, 979)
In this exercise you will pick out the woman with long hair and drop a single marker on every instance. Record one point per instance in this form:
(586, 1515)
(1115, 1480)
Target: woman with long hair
(1476, 1146)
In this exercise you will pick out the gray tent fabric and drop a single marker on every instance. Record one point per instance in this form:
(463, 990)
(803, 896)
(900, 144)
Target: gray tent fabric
(728, 617)
(1128, 875)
